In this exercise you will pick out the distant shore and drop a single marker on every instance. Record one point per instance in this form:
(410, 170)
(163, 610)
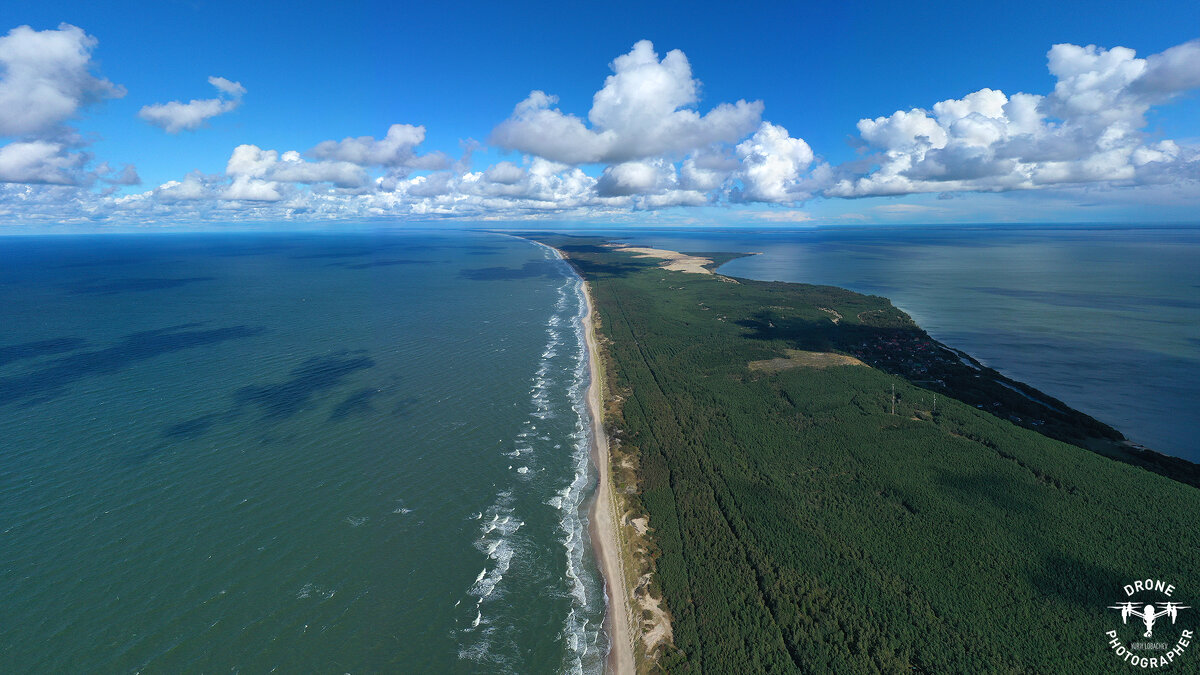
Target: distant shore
(603, 517)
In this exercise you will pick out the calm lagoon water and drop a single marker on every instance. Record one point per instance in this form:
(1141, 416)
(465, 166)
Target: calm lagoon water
(1106, 319)
(293, 453)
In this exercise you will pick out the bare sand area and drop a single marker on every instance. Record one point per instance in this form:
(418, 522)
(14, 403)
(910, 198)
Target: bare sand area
(801, 359)
(676, 261)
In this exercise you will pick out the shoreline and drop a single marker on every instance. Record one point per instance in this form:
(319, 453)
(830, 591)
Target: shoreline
(603, 521)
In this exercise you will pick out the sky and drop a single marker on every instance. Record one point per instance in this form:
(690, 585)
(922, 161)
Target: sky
(188, 114)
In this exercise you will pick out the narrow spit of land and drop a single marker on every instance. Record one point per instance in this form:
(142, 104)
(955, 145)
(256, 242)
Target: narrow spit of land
(788, 509)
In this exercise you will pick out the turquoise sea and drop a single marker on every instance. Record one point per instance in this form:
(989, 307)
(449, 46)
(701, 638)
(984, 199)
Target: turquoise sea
(1106, 319)
(293, 453)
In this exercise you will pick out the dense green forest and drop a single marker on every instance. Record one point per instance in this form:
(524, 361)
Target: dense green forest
(800, 525)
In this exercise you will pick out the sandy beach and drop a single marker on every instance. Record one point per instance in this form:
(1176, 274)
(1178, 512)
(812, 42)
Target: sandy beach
(605, 520)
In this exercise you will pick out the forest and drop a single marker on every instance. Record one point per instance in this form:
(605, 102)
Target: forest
(862, 518)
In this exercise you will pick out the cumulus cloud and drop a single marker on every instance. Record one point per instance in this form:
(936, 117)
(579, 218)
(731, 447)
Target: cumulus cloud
(772, 164)
(40, 162)
(645, 110)
(707, 170)
(175, 116)
(46, 80)
(195, 186)
(504, 173)
(1089, 129)
(47, 77)
(636, 178)
(255, 172)
(670, 198)
(396, 150)
(248, 188)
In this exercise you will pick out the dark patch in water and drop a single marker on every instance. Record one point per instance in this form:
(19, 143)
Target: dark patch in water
(29, 350)
(358, 403)
(360, 250)
(284, 399)
(234, 251)
(402, 406)
(53, 378)
(193, 428)
(335, 254)
(98, 287)
(102, 262)
(530, 270)
(314, 376)
(381, 263)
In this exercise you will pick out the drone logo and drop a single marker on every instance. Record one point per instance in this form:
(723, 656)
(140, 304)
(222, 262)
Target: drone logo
(1148, 614)
(1147, 607)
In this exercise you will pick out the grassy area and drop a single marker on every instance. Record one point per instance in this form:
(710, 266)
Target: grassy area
(799, 525)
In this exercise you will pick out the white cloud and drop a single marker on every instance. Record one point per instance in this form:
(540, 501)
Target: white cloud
(247, 188)
(1090, 129)
(772, 165)
(1172, 71)
(643, 111)
(674, 198)
(396, 150)
(707, 170)
(252, 162)
(174, 116)
(193, 187)
(40, 162)
(47, 78)
(504, 173)
(228, 87)
(636, 178)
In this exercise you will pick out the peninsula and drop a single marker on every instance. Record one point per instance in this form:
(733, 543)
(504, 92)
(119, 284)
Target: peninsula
(798, 478)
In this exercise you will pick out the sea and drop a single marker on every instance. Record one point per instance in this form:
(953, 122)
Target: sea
(1104, 318)
(324, 452)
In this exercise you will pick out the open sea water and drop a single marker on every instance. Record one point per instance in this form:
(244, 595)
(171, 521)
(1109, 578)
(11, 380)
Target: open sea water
(1106, 319)
(293, 453)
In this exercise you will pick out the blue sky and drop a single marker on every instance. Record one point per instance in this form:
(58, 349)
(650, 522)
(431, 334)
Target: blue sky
(1116, 142)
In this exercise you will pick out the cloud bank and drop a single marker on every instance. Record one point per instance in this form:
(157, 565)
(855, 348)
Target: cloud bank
(1090, 129)
(646, 143)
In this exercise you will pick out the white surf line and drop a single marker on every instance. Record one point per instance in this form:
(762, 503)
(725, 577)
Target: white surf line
(580, 634)
(603, 519)
(500, 521)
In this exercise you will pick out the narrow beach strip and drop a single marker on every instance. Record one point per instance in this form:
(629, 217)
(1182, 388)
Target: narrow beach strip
(604, 519)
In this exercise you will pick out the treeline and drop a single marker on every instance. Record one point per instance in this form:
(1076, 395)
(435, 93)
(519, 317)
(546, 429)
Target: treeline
(799, 526)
